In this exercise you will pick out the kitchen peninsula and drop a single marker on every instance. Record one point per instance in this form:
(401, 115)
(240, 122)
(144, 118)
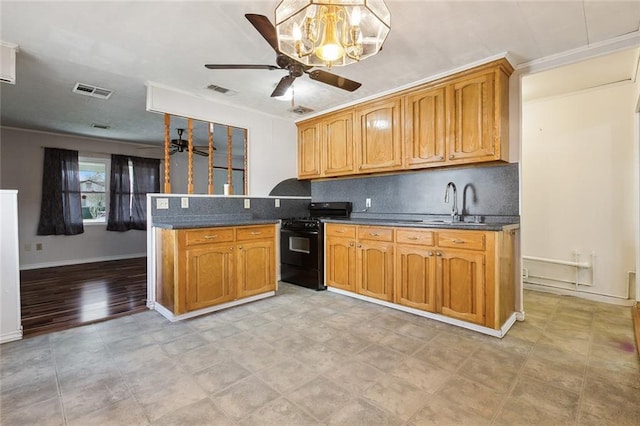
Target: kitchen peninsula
(216, 254)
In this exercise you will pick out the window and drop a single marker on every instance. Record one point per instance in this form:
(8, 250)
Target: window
(94, 184)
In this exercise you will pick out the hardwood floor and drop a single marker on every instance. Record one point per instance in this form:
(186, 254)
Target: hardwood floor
(63, 297)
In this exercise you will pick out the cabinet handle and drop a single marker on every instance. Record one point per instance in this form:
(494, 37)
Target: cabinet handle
(359, 245)
(413, 238)
(457, 241)
(230, 248)
(339, 231)
(256, 232)
(438, 253)
(374, 234)
(239, 247)
(209, 237)
(350, 244)
(440, 157)
(430, 253)
(451, 157)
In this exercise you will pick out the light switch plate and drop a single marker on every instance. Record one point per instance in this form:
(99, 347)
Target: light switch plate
(247, 203)
(367, 202)
(184, 202)
(162, 203)
(277, 202)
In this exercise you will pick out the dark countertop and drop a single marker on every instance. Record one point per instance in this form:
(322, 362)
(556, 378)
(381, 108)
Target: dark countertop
(211, 223)
(428, 223)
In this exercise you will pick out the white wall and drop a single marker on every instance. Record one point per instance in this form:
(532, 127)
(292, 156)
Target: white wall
(271, 141)
(10, 321)
(22, 157)
(578, 186)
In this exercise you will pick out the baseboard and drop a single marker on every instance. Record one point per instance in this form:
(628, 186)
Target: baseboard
(581, 294)
(441, 318)
(173, 318)
(80, 261)
(10, 337)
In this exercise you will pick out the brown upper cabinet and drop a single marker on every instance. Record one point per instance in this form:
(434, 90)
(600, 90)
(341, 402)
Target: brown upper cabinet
(378, 135)
(459, 119)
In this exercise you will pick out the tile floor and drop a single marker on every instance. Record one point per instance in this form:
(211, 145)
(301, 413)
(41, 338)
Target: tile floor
(308, 357)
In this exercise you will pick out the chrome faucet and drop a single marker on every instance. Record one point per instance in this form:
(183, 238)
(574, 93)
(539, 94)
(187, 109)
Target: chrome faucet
(454, 208)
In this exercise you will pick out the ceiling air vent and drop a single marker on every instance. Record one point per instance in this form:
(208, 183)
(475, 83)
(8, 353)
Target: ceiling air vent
(300, 110)
(93, 91)
(222, 90)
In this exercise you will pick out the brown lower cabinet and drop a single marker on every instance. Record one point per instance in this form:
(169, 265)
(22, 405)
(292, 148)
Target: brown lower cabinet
(466, 275)
(209, 266)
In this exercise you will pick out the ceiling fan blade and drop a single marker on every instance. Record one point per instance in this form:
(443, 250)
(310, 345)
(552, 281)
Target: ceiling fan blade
(197, 151)
(240, 67)
(283, 85)
(334, 80)
(265, 28)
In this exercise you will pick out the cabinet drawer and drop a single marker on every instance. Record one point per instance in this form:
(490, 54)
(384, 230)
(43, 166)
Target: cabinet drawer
(336, 230)
(468, 240)
(255, 233)
(414, 236)
(207, 235)
(375, 233)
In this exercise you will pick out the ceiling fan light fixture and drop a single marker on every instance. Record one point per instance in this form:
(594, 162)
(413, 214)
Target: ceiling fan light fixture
(331, 32)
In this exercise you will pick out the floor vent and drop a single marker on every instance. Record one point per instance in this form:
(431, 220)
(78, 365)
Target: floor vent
(222, 90)
(93, 91)
(300, 110)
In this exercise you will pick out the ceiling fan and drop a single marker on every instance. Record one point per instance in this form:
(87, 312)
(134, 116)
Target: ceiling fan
(180, 145)
(284, 62)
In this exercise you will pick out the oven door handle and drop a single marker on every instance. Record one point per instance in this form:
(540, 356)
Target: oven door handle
(299, 232)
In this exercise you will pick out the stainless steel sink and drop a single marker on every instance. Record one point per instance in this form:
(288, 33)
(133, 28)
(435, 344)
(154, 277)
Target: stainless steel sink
(445, 222)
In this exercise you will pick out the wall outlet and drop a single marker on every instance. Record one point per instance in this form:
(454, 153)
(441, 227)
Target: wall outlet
(27, 247)
(38, 246)
(367, 202)
(247, 203)
(184, 202)
(162, 203)
(277, 202)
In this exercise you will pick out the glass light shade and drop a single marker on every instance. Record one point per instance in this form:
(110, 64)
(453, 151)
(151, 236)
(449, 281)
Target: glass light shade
(329, 46)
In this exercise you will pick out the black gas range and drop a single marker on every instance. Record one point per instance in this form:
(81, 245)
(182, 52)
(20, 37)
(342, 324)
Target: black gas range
(302, 244)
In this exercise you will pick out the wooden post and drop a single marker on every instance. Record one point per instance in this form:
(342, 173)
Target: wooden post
(190, 168)
(210, 160)
(230, 158)
(167, 161)
(246, 168)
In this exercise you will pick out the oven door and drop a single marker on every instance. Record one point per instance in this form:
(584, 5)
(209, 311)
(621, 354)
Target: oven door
(300, 248)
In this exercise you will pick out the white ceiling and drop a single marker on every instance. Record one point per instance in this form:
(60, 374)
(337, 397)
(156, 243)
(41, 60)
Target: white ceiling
(122, 45)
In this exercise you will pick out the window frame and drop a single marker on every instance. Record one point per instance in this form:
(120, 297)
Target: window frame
(107, 181)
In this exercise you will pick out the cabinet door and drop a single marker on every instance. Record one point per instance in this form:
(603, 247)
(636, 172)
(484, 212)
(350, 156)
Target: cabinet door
(309, 154)
(209, 275)
(336, 133)
(462, 278)
(375, 270)
(341, 262)
(472, 118)
(425, 127)
(378, 136)
(415, 284)
(256, 268)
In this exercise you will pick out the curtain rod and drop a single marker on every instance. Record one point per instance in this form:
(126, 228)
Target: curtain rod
(98, 152)
(161, 159)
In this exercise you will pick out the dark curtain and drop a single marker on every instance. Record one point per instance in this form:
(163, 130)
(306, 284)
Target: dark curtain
(128, 210)
(61, 206)
(119, 194)
(146, 179)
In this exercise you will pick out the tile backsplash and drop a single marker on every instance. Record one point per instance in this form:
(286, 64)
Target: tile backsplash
(488, 190)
